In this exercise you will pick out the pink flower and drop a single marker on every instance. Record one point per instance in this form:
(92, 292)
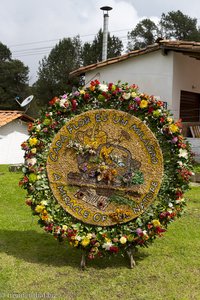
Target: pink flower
(139, 232)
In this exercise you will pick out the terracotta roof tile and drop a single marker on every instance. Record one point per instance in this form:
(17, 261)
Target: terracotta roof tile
(7, 116)
(186, 47)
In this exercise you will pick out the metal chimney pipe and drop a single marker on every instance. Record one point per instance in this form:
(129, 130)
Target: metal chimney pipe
(105, 31)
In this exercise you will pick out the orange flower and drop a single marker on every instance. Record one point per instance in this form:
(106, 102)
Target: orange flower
(92, 88)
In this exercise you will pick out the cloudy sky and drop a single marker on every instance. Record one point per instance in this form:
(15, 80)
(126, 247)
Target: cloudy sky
(30, 28)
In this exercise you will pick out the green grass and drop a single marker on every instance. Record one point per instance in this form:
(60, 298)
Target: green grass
(33, 264)
(197, 168)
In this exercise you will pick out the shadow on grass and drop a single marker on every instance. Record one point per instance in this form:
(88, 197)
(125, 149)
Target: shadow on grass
(41, 248)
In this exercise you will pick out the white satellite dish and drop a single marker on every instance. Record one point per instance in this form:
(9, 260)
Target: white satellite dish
(25, 102)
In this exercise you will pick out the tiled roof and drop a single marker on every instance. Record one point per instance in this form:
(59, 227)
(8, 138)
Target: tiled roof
(189, 48)
(7, 116)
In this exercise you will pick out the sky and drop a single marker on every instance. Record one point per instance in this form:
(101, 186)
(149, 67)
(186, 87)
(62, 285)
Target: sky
(31, 28)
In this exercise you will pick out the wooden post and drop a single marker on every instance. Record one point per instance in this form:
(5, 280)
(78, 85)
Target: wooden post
(83, 262)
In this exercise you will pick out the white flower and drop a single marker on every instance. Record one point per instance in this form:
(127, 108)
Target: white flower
(126, 96)
(180, 200)
(170, 204)
(38, 127)
(78, 238)
(91, 151)
(169, 120)
(133, 94)
(180, 163)
(44, 202)
(62, 102)
(107, 245)
(89, 235)
(31, 161)
(103, 87)
(183, 153)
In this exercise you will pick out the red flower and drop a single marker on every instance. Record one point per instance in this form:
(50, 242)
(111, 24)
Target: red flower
(150, 110)
(179, 194)
(94, 82)
(25, 146)
(23, 181)
(53, 101)
(91, 256)
(86, 96)
(49, 227)
(162, 120)
(110, 86)
(160, 103)
(71, 233)
(30, 126)
(149, 226)
(114, 249)
(107, 96)
(74, 104)
(160, 230)
(28, 202)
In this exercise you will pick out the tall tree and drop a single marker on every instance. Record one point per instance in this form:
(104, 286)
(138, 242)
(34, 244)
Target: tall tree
(176, 25)
(53, 73)
(13, 79)
(145, 33)
(92, 52)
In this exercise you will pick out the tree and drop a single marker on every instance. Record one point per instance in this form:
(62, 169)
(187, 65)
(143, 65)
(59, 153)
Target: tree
(53, 73)
(5, 53)
(145, 33)
(173, 25)
(13, 79)
(176, 25)
(92, 52)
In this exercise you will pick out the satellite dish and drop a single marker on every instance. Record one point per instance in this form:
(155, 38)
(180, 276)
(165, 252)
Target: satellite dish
(25, 101)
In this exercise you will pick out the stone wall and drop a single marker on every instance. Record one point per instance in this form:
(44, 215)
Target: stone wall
(195, 146)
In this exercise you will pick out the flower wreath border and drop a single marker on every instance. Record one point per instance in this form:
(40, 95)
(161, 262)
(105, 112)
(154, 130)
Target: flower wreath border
(140, 232)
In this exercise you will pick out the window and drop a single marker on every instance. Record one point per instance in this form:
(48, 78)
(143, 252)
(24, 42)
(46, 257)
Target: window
(190, 107)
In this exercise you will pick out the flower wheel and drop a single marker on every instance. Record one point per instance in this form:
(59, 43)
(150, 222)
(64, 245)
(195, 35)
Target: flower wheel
(106, 168)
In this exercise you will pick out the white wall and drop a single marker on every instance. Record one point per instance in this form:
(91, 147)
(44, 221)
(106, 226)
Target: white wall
(152, 72)
(186, 78)
(11, 137)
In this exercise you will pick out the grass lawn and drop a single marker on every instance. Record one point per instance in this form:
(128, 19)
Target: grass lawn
(33, 265)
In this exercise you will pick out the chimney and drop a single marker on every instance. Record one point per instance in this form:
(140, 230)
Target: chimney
(105, 31)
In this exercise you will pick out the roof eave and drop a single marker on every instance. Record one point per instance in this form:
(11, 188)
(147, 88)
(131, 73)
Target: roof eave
(83, 70)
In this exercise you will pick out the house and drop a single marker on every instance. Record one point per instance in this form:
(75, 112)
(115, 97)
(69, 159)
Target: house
(13, 131)
(168, 69)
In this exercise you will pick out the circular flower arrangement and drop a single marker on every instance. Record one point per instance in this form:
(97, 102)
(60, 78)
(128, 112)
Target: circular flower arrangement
(138, 232)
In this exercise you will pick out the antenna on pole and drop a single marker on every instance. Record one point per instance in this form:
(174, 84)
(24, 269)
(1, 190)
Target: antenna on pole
(105, 31)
